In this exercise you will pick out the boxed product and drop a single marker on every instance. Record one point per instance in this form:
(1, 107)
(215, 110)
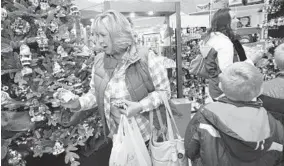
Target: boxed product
(183, 106)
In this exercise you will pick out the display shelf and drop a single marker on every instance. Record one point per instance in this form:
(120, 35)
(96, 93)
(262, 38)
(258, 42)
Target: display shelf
(248, 30)
(201, 12)
(248, 7)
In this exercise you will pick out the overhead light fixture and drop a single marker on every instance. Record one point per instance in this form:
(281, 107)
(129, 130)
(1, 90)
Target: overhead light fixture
(132, 15)
(150, 13)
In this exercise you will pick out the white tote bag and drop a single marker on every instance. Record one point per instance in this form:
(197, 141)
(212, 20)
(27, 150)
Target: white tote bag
(129, 148)
(171, 151)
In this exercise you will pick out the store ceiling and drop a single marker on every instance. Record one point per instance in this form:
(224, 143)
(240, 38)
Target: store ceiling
(187, 6)
(90, 8)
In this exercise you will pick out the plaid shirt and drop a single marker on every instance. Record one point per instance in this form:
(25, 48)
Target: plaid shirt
(117, 90)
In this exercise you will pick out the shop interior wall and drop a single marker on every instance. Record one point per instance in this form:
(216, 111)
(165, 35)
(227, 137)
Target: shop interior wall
(256, 16)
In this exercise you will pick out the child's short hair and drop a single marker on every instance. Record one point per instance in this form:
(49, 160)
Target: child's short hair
(279, 56)
(241, 81)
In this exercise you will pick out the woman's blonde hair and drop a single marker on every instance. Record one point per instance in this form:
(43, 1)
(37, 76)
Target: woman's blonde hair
(119, 29)
(241, 81)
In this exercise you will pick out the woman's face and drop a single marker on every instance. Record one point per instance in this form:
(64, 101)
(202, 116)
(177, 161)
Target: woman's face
(103, 39)
(234, 22)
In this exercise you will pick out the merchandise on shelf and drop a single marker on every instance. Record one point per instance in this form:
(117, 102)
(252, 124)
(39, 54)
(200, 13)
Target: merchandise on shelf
(43, 50)
(274, 22)
(194, 88)
(267, 65)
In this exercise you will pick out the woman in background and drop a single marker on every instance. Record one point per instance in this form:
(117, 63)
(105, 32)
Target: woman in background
(224, 50)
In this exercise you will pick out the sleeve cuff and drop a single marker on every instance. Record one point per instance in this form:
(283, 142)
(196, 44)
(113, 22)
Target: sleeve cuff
(82, 106)
(145, 105)
(249, 61)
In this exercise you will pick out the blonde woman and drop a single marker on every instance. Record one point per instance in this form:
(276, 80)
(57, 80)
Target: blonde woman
(121, 72)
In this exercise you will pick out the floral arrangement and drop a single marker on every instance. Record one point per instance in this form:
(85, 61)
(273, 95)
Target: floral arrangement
(43, 53)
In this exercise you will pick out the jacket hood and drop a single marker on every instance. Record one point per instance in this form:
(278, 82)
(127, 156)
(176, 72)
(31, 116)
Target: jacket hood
(243, 127)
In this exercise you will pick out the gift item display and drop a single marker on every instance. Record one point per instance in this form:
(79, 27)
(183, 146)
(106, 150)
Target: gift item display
(44, 63)
(194, 88)
(275, 18)
(266, 64)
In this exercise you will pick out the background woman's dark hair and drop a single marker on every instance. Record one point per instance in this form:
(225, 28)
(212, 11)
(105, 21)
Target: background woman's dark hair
(221, 22)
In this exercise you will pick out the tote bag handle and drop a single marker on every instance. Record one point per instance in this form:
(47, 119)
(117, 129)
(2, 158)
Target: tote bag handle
(170, 114)
(160, 122)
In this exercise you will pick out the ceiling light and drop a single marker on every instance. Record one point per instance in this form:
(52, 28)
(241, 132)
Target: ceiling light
(150, 13)
(132, 15)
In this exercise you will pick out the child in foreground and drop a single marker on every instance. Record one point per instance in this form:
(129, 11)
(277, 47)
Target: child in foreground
(236, 130)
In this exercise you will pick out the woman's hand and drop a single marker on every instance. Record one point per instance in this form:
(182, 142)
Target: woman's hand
(67, 99)
(133, 108)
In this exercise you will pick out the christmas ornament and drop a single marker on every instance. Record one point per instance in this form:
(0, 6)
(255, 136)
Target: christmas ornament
(84, 51)
(42, 43)
(43, 4)
(41, 23)
(40, 32)
(42, 40)
(74, 10)
(62, 12)
(58, 148)
(72, 33)
(20, 26)
(56, 68)
(3, 14)
(53, 26)
(26, 71)
(34, 3)
(61, 52)
(25, 55)
(5, 98)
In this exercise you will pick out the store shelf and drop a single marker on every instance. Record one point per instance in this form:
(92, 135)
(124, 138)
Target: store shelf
(248, 30)
(201, 12)
(248, 7)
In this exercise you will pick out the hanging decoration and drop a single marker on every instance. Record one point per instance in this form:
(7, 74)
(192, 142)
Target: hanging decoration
(43, 4)
(3, 14)
(20, 26)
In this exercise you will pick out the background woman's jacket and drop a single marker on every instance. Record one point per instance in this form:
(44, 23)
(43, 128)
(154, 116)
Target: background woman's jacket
(224, 52)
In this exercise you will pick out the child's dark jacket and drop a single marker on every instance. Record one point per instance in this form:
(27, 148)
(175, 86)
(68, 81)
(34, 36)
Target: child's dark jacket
(228, 133)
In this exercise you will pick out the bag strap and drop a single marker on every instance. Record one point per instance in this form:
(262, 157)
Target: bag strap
(169, 111)
(159, 115)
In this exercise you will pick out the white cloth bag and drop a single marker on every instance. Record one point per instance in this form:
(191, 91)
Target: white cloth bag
(129, 148)
(171, 151)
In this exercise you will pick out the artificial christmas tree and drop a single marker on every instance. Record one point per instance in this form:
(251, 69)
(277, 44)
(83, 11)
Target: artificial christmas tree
(43, 52)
